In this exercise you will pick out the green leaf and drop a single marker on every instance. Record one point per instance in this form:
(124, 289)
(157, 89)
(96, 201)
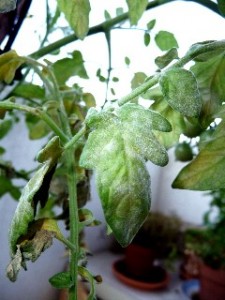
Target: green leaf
(37, 128)
(136, 10)
(51, 151)
(165, 40)
(77, 14)
(9, 63)
(210, 76)
(221, 5)
(151, 24)
(67, 67)
(4, 111)
(167, 58)
(2, 150)
(7, 5)
(61, 280)
(89, 100)
(5, 127)
(7, 186)
(206, 171)
(84, 273)
(138, 79)
(180, 90)
(147, 39)
(107, 15)
(117, 149)
(127, 60)
(29, 91)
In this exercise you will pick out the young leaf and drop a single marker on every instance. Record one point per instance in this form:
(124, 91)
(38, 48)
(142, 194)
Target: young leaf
(61, 280)
(206, 171)
(67, 67)
(77, 14)
(9, 63)
(147, 39)
(167, 58)
(117, 149)
(180, 90)
(165, 40)
(136, 9)
(7, 5)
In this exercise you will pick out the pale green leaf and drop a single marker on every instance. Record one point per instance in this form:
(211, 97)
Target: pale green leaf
(180, 90)
(206, 171)
(9, 63)
(7, 5)
(77, 14)
(61, 280)
(117, 149)
(165, 40)
(136, 10)
(151, 24)
(138, 79)
(67, 67)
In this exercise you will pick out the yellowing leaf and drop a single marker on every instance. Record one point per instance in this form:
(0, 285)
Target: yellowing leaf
(9, 63)
(77, 14)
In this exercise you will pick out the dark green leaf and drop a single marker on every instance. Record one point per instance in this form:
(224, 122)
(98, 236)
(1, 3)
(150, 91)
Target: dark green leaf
(2, 150)
(7, 5)
(206, 171)
(180, 90)
(6, 186)
(165, 40)
(167, 58)
(29, 91)
(9, 63)
(5, 127)
(136, 9)
(117, 149)
(67, 67)
(151, 24)
(61, 280)
(77, 14)
(147, 39)
(221, 5)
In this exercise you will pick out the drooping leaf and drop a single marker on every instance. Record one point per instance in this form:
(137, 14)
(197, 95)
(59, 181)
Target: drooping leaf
(136, 10)
(77, 14)
(166, 59)
(5, 127)
(7, 5)
(165, 40)
(117, 149)
(15, 265)
(210, 76)
(9, 63)
(206, 171)
(61, 280)
(67, 67)
(29, 91)
(85, 274)
(180, 90)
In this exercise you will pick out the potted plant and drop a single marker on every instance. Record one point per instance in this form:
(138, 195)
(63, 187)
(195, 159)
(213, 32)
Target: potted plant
(157, 239)
(208, 244)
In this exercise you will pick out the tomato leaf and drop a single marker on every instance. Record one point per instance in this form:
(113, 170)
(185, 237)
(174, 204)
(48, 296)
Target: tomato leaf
(136, 10)
(180, 89)
(167, 58)
(61, 280)
(77, 14)
(165, 40)
(206, 171)
(117, 148)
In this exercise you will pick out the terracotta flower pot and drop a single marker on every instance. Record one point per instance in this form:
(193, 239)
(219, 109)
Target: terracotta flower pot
(139, 259)
(212, 283)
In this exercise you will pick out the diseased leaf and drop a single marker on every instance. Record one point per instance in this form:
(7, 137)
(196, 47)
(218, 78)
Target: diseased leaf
(210, 76)
(7, 5)
(77, 14)
(165, 40)
(206, 171)
(180, 90)
(67, 67)
(9, 63)
(117, 149)
(167, 58)
(15, 265)
(61, 280)
(136, 10)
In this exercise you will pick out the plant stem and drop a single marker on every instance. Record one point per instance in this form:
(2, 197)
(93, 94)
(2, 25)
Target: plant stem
(75, 138)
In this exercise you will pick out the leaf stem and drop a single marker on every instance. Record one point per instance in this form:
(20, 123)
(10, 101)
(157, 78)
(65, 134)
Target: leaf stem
(75, 138)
